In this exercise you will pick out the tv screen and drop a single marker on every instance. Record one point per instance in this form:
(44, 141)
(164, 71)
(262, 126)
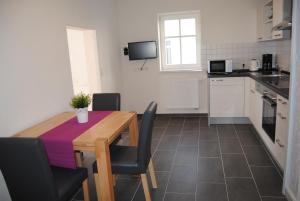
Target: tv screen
(142, 50)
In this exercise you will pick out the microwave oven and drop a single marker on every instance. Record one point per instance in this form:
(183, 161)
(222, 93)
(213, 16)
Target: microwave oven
(219, 66)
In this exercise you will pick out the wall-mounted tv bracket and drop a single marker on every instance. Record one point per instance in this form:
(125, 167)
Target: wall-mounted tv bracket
(125, 50)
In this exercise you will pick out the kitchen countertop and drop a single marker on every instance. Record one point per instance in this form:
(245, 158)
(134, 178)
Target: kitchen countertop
(278, 84)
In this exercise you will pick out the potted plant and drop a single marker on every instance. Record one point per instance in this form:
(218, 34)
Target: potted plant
(80, 103)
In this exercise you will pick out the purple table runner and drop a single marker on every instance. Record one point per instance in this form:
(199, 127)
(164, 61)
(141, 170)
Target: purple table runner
(59, 140)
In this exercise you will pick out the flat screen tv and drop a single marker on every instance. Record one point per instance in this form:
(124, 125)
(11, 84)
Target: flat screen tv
(142, 50)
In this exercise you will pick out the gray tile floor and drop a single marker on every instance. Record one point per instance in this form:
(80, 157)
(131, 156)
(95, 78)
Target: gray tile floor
(195, 162)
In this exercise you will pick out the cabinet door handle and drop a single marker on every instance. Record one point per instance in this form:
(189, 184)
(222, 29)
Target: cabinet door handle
(277, 35)
(252, 91)
(280, 115)
(260, 38)
(265, 92)
(220, 80)
(279, 144)
(281, 101)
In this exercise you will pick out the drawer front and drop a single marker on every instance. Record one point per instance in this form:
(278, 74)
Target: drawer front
(282, 106)
(227, 81)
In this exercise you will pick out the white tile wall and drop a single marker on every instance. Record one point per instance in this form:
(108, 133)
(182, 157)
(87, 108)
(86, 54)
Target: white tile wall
(242, 53)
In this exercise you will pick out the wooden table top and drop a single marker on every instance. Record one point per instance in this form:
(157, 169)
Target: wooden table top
(108, 129)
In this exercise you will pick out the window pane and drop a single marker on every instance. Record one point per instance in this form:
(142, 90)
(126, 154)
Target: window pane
(172, 28)
(188, 50)
(188, 26)
(172, 51)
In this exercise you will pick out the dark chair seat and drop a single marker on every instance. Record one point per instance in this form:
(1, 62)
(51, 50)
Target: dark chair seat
(68, 181)
(123, 160)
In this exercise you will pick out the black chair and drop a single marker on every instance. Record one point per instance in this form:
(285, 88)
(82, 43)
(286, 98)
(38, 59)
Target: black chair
(28, 175)
(135, 160)
(106, 102)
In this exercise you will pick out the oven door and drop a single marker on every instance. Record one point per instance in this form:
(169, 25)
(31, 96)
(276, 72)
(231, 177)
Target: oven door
(217, 66)
(269, 117)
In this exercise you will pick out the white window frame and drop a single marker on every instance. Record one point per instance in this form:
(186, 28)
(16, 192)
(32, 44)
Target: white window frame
(161, 40)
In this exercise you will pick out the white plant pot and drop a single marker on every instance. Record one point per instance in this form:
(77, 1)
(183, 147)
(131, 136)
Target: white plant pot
(82, 115)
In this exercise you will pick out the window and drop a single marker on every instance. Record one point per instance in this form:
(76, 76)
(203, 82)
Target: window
(179, 40)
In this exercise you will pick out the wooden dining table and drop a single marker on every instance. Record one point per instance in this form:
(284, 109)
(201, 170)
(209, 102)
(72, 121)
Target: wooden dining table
(96, 139)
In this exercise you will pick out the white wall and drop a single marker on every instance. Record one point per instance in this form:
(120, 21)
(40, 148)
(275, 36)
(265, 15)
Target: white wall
(230, 21)
(35, 75)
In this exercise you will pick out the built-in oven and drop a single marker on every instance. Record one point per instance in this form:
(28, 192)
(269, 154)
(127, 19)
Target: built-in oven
(269, 111)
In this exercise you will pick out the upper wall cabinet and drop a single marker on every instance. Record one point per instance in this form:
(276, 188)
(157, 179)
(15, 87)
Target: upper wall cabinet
(270, 14)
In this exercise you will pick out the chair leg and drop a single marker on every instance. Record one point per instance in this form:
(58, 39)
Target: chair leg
(97, 185)
(146, 187)
(86, 191)
(152, 174)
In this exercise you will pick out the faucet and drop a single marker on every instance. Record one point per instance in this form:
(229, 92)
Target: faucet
(278, 69)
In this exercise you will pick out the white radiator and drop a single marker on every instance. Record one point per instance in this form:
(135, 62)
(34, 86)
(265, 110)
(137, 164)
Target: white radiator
(182, 93)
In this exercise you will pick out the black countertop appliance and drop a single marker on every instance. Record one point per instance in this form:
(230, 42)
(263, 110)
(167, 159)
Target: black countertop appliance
(267, 62)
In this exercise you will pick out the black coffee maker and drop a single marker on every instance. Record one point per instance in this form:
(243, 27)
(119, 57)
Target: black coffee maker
(267, 62)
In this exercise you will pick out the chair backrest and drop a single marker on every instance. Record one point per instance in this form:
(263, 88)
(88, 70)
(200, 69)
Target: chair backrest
(26, 170)
(106, 102)
(145, 136)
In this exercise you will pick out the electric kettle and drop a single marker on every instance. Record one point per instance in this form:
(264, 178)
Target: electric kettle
(254, 65)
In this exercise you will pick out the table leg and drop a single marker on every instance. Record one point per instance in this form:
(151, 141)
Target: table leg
(78, 158)
(104, 171)
(134, 131)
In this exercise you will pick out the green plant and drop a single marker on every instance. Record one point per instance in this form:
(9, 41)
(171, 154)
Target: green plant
(80, 101)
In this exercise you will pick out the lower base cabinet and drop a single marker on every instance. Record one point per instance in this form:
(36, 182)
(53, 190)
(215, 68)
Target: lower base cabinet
(281, 137)
(256, 109)
(227, 97)
(278, 148)
(238, 97)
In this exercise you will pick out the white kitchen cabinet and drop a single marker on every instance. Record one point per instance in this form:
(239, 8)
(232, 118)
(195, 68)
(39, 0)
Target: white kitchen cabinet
(227, 97)
(247, 97)
(266, 19)
(259, 23)
(269, 14)
(252, 106)
(281, 136)
(252, 101)
(256, 114)
(256, 109)
(281, 11)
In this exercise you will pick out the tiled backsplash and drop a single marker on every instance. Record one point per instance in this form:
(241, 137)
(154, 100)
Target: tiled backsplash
(242, 53)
